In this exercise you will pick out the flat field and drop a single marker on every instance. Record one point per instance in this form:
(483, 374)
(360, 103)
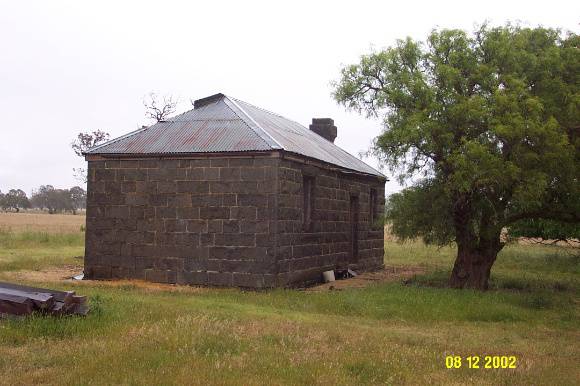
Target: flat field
(41, 222)
(392, 331)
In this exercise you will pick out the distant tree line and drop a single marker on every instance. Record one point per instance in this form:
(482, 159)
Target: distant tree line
(45, 198)
(15, 199)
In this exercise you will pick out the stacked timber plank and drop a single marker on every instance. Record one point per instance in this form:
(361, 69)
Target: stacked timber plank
(22, 300)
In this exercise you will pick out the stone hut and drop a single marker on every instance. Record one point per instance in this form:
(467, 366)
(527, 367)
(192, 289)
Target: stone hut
(230, 194)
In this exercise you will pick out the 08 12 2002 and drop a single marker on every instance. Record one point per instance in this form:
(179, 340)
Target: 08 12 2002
(478, 362)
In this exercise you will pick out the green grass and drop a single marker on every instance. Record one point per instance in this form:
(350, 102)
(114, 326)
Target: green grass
(35, 251)
(24, 240)
(389, 333)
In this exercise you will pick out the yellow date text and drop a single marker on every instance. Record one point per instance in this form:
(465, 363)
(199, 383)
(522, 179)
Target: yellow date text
(481, 362)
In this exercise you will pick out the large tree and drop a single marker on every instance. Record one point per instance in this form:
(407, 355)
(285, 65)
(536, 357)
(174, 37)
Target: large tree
(484, 128)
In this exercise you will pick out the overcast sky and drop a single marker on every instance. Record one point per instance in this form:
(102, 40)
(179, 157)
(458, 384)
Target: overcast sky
(71, 66)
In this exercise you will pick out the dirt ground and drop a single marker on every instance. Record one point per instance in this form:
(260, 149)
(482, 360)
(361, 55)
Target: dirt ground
(52, 274)
(388, 274)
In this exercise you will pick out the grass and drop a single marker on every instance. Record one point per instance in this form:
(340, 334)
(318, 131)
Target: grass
(389, 333)
(35, 251)
(518, 267)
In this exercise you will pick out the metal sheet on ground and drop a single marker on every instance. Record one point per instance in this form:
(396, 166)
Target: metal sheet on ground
(21, 300)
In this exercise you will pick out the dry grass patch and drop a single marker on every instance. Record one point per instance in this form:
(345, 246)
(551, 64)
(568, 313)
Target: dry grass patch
(41, 222)
(40, 246)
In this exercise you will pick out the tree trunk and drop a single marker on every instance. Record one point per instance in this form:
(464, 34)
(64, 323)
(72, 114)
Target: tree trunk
(472, 267)
(477, 245)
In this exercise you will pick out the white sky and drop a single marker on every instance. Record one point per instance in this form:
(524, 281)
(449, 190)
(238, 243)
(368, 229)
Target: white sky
(71, 66)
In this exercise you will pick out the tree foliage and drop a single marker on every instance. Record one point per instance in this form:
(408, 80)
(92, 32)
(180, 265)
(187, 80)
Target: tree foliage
(85, 141)
(485, 127)
(15, 199)
(82, 144)
(547, 231)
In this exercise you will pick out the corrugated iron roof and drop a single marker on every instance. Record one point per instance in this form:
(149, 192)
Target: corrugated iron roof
(223, 124)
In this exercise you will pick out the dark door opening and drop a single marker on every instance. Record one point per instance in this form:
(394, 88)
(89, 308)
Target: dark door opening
(354, 228)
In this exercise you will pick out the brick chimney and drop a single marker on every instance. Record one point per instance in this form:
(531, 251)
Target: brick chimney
(324, 127)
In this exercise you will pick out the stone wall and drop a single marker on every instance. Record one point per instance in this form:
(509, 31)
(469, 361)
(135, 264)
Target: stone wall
(191, 221)
(235, 221)
(306, 250)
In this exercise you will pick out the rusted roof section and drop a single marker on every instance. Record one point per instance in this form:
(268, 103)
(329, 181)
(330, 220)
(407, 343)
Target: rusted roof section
(210, 128)
(223, 124)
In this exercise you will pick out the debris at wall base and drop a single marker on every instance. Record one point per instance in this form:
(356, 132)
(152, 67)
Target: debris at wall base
(328, 276)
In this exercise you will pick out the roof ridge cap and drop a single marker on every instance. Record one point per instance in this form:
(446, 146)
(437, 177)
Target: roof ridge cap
(265, 136)
(258, 107)
(271, 112)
